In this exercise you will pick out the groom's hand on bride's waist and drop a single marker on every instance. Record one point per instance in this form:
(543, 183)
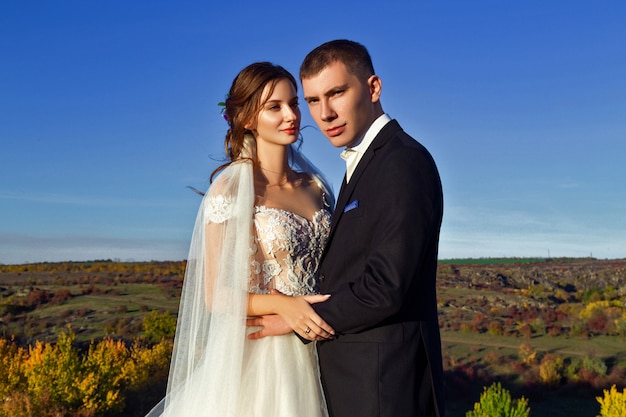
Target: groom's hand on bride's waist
(271, 325)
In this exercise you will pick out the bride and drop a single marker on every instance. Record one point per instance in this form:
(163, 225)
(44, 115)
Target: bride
(261, 227)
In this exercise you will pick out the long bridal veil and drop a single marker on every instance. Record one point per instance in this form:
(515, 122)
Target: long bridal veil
(206, 366)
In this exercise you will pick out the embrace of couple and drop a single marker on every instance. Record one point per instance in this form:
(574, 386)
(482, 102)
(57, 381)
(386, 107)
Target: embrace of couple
(294, 305)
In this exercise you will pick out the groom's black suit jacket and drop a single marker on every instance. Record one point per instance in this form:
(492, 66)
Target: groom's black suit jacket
(380, 265)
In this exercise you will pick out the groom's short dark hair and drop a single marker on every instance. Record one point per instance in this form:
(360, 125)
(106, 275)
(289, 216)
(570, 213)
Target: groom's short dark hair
(352, 54)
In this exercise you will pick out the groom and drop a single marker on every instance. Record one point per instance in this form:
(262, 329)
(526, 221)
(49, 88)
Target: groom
(380, 261)
(381, 258)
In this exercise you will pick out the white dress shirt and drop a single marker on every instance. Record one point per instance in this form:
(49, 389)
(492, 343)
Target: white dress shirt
(352, 155)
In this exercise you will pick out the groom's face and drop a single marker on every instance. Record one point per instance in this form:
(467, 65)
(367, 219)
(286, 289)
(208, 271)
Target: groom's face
(341, 104)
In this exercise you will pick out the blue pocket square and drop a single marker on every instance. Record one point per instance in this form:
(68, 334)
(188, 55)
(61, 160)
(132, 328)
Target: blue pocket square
(351, 206)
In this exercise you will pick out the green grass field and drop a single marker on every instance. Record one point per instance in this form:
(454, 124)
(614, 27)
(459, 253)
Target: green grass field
(112, 299)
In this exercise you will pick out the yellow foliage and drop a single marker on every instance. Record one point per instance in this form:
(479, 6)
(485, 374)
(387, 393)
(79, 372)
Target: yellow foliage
(11, 374)
(527, 354)
(147, 364)
(497, 401)
(52, 371)
(620, 325)
(561, 294)
(613, 403)
(551, 370)
(102, 380)
(594, 306)
(56, 380)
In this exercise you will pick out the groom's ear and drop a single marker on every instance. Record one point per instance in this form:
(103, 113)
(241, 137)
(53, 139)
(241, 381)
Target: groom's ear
(375, 85)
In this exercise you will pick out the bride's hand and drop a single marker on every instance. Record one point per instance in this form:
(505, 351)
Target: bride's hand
(301, 317)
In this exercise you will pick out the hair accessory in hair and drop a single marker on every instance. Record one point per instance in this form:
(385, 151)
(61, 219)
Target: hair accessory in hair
(222, 104)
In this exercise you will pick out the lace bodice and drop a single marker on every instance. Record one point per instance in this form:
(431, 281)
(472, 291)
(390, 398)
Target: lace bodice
(286, 250)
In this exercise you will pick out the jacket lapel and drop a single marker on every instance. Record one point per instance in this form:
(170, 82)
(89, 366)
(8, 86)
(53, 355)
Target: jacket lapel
(342, 199)
(346, 191)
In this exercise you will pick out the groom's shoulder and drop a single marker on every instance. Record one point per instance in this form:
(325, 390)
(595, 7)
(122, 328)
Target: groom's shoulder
(404, 147)
(401, 140)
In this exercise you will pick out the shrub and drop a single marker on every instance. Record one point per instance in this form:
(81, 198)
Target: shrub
(525, 330)
(60, 296)
(595, 365)
(527, 354)
(587, 370)
(496, 328)
(158, 326)
(551, 370)
(36, 297)
(493, 357)
(537, 326)
(102, 376)
(592, 295)
(11, 374)
(620, 325)
(53, 380)
(146, 375)
(496, 401)
(613, 403)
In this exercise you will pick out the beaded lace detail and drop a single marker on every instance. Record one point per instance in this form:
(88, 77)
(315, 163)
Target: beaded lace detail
(286, 251)
(219, 209)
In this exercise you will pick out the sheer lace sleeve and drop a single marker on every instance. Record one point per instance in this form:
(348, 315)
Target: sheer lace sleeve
(218, 208)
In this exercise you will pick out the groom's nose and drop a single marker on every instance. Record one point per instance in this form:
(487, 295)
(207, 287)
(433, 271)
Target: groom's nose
(327, 113)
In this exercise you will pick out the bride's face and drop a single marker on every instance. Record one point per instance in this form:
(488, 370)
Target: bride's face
(278, 121)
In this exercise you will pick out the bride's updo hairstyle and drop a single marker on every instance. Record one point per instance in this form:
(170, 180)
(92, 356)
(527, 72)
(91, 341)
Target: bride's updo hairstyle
(243, 104)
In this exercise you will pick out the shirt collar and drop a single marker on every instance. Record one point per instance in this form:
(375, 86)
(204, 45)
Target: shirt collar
(364, 143)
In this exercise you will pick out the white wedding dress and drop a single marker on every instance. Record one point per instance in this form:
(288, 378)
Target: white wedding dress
(238, 248)
(280, 374)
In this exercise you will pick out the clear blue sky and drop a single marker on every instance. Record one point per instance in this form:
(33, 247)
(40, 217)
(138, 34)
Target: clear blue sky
(108, 110)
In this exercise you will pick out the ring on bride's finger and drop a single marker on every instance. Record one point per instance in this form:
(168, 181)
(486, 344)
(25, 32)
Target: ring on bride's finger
(307, 331)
